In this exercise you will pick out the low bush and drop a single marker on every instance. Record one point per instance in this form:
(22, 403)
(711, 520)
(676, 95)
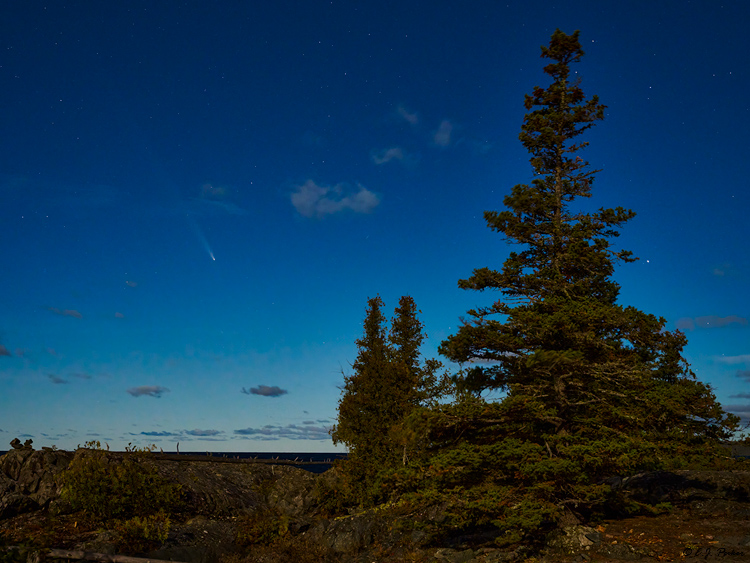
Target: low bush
(262, 527)
(142, 534)
(107, 487)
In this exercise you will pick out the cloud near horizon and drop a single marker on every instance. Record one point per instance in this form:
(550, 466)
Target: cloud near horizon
(312, 200)
(708, 321)
(290, 431)
(265, 391)
(148, 390)
(200, 433)
(4, 351)
(743, 411)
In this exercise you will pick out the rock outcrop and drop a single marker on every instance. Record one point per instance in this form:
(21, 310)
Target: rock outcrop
(28, 478)
(220, 496)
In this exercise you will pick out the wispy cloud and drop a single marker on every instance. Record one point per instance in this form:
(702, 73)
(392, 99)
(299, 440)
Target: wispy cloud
(212, 206)
(80, 375)
(312, 200)
(740, 395)
(442, 136)
(209, 190)
(709, 321)
(119, 316)
(744, 374)
(56, 379)
(290, 431)
(160, 434)
(4, 351)
(725, 269)
(215, 200)
(265, 391)
(131, 283)
(386, 155)
(65, 312)
(409, 116)
(148, 390)
(733, 360)
(197, 432)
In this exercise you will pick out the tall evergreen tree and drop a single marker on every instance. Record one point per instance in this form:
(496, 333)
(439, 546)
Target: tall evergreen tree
(589, 388)
(558, 337)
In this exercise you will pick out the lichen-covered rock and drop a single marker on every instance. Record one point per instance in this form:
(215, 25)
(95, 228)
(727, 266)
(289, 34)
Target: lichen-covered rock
(350, 534)
(292, 492)
(573, 539)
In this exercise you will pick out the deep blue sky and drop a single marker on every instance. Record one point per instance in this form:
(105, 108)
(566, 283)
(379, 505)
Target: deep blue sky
(323, 153)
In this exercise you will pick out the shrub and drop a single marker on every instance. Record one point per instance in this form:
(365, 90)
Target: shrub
(106, 487)
(263, 527)
(143, 533)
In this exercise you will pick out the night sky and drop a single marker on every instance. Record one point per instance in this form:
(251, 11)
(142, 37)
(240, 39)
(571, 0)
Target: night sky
(197, 198)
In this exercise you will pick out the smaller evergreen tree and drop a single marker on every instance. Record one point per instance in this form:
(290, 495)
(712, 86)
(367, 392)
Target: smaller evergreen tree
(389, 380)
(416, 383)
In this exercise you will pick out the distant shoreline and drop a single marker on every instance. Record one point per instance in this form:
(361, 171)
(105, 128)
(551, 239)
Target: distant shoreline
(313, 462)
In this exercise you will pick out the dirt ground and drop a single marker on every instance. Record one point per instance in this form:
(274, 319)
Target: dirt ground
(677, 536)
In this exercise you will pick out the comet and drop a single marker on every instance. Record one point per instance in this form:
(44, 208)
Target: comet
(201, 237)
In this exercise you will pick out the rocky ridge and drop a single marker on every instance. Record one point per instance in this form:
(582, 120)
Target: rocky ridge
(221, 498)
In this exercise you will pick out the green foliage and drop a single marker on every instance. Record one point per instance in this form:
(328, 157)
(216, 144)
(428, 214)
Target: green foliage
(588, 388)
(142, 534)
(263, 527)
(389, 382)
(106, 486)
